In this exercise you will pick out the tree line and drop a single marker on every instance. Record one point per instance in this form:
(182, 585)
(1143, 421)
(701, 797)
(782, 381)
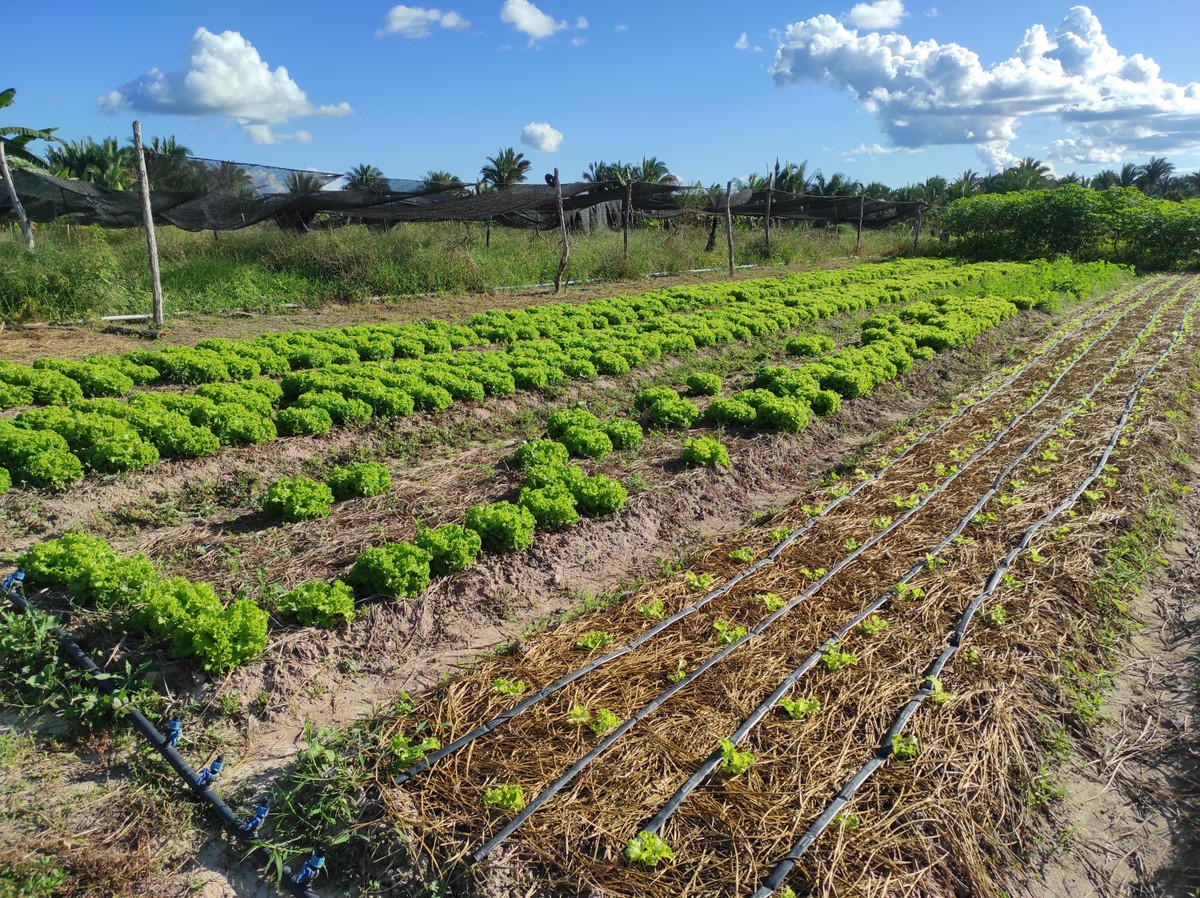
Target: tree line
(110, 164)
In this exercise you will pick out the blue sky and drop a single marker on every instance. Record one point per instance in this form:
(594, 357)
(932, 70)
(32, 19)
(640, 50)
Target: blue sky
(890, 90)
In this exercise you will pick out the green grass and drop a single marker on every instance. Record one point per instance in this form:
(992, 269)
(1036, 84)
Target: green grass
(86, 272)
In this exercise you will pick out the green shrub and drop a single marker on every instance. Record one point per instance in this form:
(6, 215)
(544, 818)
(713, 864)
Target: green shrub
(398, 570)
(86, 566)
(703, 384)
(705, 451)
(5, 481)
(564, 419)
(650, 395)
(236, 426)
(586, 441)
(340, 409)
(226, 640)
(598, 496)
(54, 468)
(780, 413)
(450, 546)
(731, 412)
(541, 452)
(677, 412)
(297, 498)
(297, 421)
(544, 475)
(810, 345)
(361, 479)
(552, 507)
(319, 604)
(608, 362)
(502, 526)
(623, 434)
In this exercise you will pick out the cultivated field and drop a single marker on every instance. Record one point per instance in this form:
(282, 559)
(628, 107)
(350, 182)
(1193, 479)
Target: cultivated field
(787, 584)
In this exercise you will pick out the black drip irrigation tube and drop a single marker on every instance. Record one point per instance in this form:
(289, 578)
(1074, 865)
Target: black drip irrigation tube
(604, 744)
(847, 792)
(229, 820)
(504, 717)
(710, 764)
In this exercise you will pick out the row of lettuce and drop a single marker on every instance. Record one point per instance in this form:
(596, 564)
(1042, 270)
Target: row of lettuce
(58, 444)
(555, 494)
(53, 381)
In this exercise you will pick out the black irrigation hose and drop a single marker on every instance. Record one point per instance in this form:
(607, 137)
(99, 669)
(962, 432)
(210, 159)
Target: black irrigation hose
(843, 797)
(504, 717)
(550, 791)
(155, 739)
(713, 761)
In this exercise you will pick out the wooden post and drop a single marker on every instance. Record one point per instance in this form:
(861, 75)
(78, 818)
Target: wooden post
(487, 240)
(862, 205)
(148, 215)
(767, 220)
(562, 220)
(12, 195)
(729, 224)
(916, 229)
(628, 217)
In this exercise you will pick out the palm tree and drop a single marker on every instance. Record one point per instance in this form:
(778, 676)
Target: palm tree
(168, 167)
(17, 138)
(366, 177)
(877, 190)
(1074, 178)
(1105, 179)
(1128, 176)
(652, 170)
(302, 182)
(1153, 177)
(836, 184)
(1028, 174)
(620, 173)
(792, 177)
(909, 193)
(506, 168)
(937, 190)
(105, 163)
(967, 184)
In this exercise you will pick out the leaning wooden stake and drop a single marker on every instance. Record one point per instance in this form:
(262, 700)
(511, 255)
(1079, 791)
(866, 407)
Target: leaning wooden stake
(12, 196)
(729, 224)
(487, 239)
(916, 229)
(862, 206)
(148, 216)
(566, 248)
(627, 218)
(767, 220)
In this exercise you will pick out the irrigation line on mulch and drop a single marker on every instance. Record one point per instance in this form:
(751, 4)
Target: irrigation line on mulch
(885, 749)
(604, 744)
(554, 687)
(714, 760)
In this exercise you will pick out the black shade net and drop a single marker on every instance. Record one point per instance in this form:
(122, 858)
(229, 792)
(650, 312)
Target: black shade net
(210, 195)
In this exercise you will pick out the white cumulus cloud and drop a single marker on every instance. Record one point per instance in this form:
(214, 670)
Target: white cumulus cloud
(581, 23)
(742, 43)
(927, 93)
(880, 14)
(222, 74)
(541, 136)
(528, 19)
(418, 21)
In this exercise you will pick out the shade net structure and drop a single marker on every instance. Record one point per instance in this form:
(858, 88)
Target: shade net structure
(801, 207)
(197, 194)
